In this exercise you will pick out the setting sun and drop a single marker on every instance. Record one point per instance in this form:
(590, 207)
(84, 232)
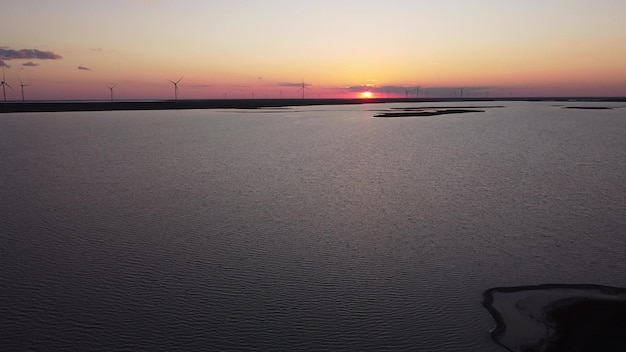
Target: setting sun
(366, 94)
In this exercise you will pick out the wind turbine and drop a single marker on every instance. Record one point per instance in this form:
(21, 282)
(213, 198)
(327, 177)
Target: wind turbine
(111, 89)
(302, 88)
(4, 91)
(175, 87)
(22, 85)
(461, 90)
(417, 92)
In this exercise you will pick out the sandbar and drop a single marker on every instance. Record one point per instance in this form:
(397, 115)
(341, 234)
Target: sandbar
(558, 318)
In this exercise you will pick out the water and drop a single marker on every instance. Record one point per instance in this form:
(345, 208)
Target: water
(312, 228)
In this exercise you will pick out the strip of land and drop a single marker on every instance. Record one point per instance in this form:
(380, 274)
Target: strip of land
(59, 106)
(589, 107)
(425, 112)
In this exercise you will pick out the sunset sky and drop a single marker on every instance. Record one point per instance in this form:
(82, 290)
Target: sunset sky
(73, 49)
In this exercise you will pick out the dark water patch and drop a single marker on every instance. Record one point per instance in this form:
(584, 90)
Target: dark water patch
(555, 318)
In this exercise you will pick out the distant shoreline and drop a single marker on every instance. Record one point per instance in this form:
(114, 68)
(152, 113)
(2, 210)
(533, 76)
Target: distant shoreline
(63, 106)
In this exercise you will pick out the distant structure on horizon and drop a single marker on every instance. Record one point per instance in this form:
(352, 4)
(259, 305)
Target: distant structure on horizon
(302, 88)
(175, 87)
(22, 85)
(111, 89)
(4, 85)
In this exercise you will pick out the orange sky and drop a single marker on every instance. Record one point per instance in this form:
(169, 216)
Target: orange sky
(266, 49)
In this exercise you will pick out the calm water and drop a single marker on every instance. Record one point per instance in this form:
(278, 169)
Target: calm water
(316, 228)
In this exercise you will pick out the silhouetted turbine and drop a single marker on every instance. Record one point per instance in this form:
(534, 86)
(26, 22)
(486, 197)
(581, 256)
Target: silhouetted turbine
(111, 89)
(461, 90)
(302, 88)
(175, 87)
(4, 84)
(22, 85)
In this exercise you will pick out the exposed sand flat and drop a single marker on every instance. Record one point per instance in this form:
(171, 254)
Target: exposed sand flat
(590, 107)
(425, 112)
(558, 317)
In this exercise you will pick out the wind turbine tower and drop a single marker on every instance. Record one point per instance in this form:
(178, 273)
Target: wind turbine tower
(417, 92)
(22, 85)
(302, 88)
(461, 91)
(175, 87)
(111, 89)
(4, 91)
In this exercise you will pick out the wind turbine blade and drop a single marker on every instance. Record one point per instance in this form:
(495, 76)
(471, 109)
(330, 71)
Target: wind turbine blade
(179, 80)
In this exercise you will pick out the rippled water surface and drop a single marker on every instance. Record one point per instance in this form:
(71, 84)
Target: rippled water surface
(315, 228)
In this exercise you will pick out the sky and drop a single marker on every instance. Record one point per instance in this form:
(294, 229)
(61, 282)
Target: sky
(75, 49)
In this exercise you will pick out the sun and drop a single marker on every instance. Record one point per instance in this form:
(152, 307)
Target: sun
(367, 94)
